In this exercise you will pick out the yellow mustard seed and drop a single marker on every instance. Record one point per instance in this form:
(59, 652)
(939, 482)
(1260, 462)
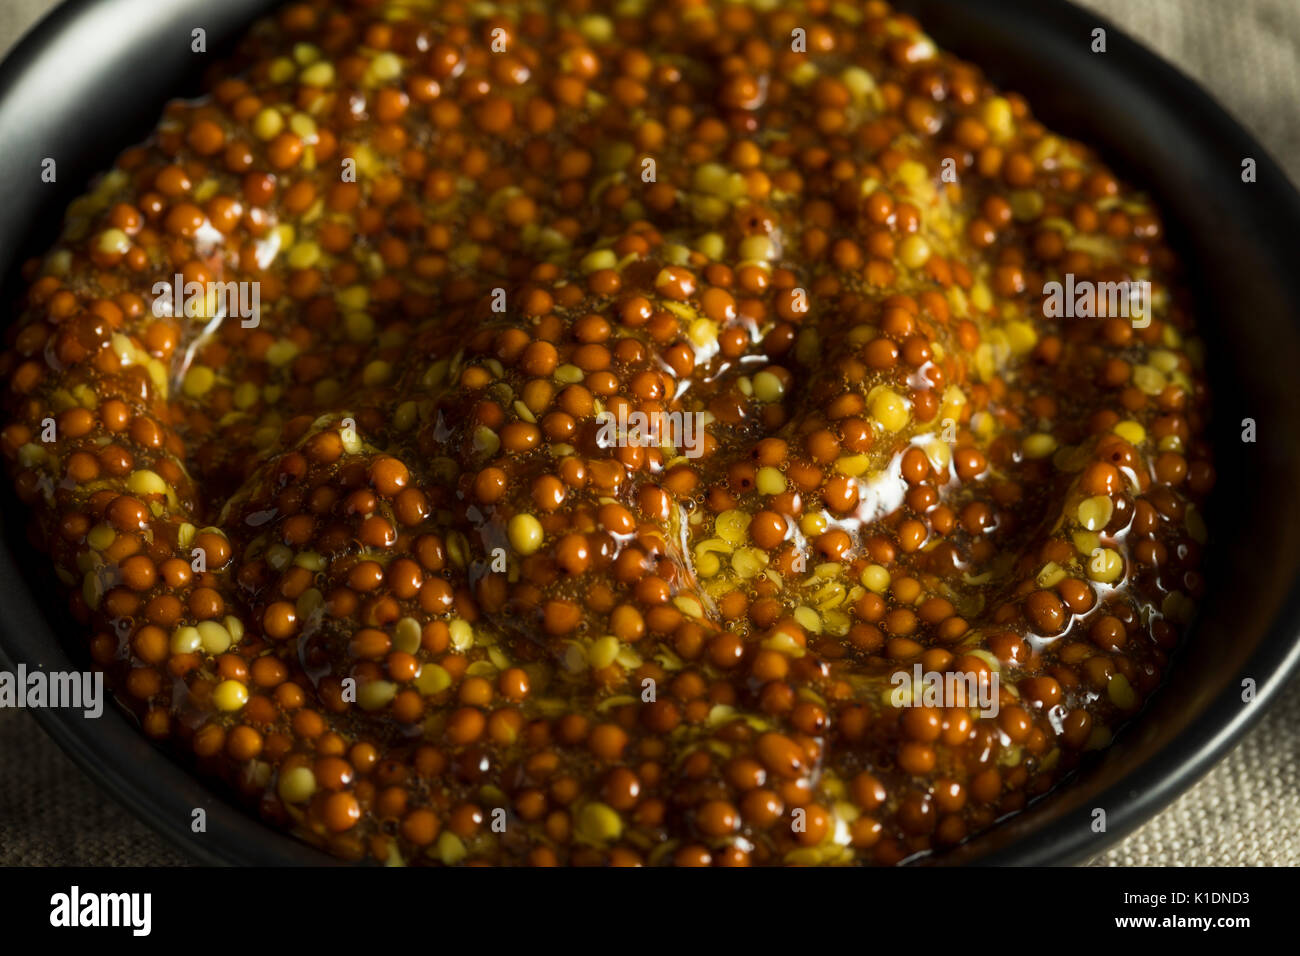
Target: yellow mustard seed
(525, 533)
(230, 695)
(296, 785)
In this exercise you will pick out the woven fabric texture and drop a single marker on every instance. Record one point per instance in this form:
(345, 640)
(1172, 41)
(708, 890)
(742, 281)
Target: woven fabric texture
(1245, 812)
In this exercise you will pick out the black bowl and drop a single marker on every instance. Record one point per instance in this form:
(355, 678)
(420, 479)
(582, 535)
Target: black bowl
(92, 78)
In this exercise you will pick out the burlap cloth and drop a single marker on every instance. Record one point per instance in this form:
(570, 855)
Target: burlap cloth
(1245, 812)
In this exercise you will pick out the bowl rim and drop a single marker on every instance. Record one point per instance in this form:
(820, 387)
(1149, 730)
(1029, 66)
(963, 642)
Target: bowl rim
(139, 775)
(237, 837)
(1153, 784)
